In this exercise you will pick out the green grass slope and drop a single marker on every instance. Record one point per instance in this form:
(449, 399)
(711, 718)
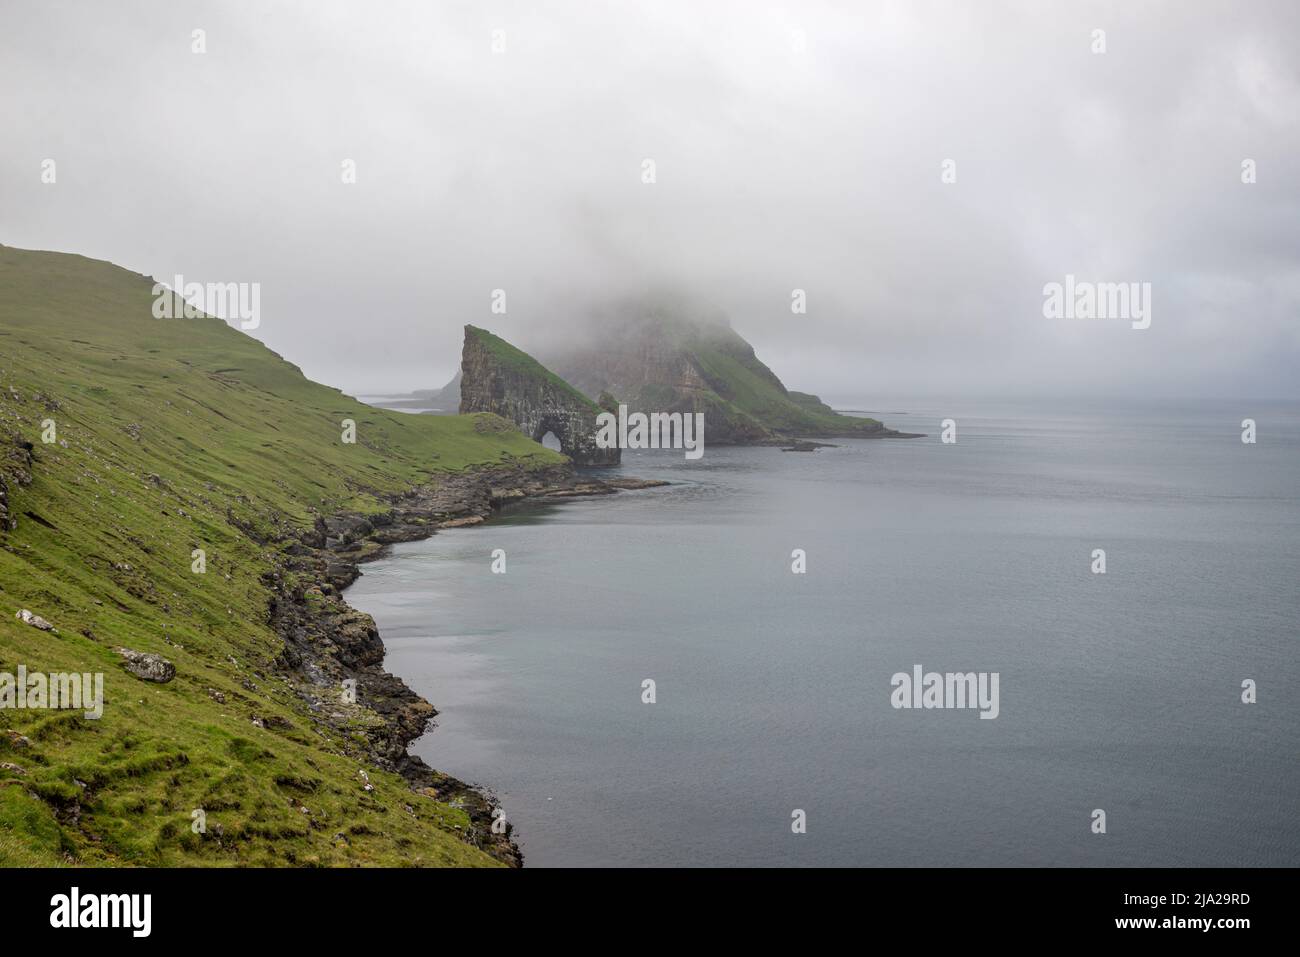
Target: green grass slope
(744, 382)
(170, 433)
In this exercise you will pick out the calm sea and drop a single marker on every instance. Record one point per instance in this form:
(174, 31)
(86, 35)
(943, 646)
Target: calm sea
(1120, 692)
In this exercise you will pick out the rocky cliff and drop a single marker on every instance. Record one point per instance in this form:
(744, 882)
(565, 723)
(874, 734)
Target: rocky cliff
(497, 377)
(179, 496)
(661, 359)
(15, 469)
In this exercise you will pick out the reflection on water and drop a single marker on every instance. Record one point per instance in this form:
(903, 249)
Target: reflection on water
(1118, 691)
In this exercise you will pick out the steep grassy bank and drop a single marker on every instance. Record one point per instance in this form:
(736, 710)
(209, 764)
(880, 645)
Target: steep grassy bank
(172, 436)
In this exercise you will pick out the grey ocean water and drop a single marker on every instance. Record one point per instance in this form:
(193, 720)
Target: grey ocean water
(1118, 691)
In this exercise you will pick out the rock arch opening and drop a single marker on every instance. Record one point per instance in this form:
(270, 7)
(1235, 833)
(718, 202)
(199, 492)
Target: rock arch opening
(554, 432)
(497, 377)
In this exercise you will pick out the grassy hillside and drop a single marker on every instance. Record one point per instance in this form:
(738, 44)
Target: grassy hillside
(174, 435)
(665, 359)
(741, 380)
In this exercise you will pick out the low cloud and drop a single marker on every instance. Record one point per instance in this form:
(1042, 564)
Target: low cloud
(795, 146)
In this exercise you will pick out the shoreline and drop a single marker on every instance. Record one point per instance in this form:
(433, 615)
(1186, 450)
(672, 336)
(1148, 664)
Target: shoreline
(328, 642)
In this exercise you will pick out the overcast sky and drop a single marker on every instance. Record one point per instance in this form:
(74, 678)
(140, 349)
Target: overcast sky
(796, 146)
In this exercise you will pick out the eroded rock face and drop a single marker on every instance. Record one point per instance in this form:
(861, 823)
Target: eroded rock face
(15, 471)
(496, 377)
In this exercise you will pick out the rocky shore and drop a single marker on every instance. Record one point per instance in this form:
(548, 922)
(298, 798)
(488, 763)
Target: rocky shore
(328, 644)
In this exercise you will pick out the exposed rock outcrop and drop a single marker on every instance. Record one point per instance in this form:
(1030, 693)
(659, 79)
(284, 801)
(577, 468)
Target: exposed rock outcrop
(148, 666)
(15, 470)
(497, 377)
(36, 621)
(327, 642)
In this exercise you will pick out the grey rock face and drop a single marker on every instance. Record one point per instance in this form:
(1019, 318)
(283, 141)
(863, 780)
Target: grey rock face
(496, 377)
(36, 621)
(15, 471)
(147, 666)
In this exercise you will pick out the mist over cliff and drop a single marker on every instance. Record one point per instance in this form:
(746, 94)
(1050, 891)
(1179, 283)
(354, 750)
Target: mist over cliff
(920, 172)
